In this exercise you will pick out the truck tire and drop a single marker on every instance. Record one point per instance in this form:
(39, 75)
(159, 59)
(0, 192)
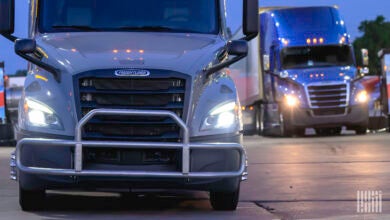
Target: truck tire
(225, 201)
(361, 130)
(328, 131)
(286, 130)
(31, 200)
(388, 123)
(260, 120)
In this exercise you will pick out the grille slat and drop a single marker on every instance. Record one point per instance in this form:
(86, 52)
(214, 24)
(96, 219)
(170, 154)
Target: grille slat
(167, 107)
(132, 93)
(326, 100)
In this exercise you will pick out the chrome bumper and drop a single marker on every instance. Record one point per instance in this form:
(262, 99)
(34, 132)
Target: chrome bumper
(79, 144)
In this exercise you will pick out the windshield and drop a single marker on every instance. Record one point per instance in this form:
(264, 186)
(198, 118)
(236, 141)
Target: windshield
(318, 56)
(189, 16)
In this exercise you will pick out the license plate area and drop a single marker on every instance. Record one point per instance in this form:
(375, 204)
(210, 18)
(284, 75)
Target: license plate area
(131, 157)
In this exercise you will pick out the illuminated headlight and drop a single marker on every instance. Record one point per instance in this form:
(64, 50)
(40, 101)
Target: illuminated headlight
(291, 100)
(362, 97)
(40, 115)
(222, 116)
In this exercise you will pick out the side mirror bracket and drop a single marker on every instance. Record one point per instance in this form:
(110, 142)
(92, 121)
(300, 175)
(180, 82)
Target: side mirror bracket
(238, 48)
(27, 49)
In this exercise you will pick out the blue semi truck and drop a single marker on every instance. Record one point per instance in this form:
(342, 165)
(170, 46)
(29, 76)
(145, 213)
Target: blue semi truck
(300, 73)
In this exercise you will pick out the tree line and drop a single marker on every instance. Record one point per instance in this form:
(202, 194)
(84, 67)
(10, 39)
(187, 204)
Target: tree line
(376, 36)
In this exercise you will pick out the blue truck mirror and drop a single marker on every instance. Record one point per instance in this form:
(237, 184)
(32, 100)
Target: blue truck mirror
(7, 12)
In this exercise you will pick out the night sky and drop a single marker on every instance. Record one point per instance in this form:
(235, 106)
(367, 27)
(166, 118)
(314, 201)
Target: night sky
(353, 11)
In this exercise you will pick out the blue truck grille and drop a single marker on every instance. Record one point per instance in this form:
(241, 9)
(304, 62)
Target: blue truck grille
(327, 100)
(132, 93)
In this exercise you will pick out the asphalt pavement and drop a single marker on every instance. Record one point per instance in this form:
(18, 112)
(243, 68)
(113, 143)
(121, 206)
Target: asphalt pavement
(289, 178)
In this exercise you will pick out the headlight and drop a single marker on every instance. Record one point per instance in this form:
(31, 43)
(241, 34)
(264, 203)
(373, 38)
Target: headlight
(40, 115)
(222, 116)
(362, 97)
(291, 100)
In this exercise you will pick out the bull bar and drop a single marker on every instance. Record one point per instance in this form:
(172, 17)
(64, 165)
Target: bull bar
(79, 144)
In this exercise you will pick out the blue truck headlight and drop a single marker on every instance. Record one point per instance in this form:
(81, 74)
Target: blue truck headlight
(40, 115)
(222, 116)
(362, 97)
(291, 100)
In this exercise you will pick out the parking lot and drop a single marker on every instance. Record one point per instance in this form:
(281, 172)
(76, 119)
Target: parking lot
(289, 178)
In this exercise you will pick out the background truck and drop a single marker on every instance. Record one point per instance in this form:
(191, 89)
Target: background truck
(6, 126)
(381, 92)
(300, 73)
(129, 94)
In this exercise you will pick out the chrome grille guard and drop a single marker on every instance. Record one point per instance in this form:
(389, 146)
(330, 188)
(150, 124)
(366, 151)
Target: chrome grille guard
(79, 144)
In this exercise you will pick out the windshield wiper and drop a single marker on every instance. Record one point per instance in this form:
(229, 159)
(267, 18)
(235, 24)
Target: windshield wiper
(77, 27)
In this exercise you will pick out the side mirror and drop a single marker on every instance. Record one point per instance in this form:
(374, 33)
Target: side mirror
(238, 48)
(7, 14)
(25, 46)
(251, 19)
(27, 49)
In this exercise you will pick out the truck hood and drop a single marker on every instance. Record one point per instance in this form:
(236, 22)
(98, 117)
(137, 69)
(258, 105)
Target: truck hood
(79, 52)
(325, 74)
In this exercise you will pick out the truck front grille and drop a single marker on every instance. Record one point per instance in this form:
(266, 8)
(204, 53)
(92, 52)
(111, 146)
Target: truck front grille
(327, 100)
(132, 93)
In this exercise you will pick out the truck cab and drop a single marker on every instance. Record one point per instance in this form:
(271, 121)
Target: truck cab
(129, 95)
(306, 76)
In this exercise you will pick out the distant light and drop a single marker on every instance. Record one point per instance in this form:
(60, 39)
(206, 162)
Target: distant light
(285, 42)
(141, 51)
(342, 40)
(128, 51)
(341, 74)
(73, 50)
(314, 40)
(322, 75)
(321, 40)
(308, 41)
(115, 51)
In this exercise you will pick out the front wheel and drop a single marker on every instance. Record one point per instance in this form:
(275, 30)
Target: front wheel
(224, 201)
(286, 129)
(328, 131)
(31, 200)
(361, 130)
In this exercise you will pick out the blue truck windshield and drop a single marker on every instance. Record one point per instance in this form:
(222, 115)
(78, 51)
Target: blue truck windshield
(318, 56)
(189, 16)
